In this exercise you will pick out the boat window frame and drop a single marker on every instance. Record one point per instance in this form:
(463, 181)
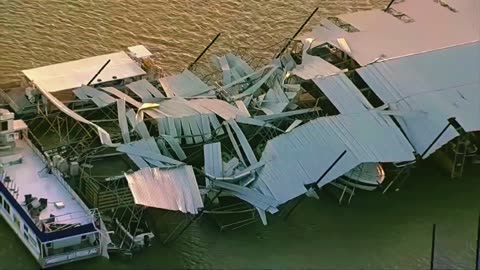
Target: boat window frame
(6, 206)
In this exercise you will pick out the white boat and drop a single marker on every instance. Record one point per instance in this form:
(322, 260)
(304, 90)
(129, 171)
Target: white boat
(366, 176)
(40, 207)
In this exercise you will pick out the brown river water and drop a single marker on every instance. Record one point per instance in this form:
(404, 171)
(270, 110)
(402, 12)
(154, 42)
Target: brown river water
(375, 231)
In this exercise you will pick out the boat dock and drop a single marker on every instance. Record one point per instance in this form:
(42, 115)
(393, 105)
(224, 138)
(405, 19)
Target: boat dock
(353, 104)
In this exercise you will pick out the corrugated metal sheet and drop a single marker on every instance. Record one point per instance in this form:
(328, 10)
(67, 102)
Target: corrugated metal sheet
(173, 189)
(344, 95)
(247, 149)
(122, 120)
(254, 88)
(212, 154)
(148, 150)
(301, 156)
(275, 101)
(175, 147)
(251, 196)
(154, 113)
(185, 84)
(144, 89)
(139, 126)
(100, 99)
(383, 35)
(235, 144)
(70, 75)
(428, 91)
(219, 107)
(286, 114)
(313, 66)
(102, 134)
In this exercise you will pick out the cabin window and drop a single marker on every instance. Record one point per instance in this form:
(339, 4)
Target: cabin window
(1, 200)
(3, 125)
(6, 206)
(39, 244)
(25, 228)
(25, 235)
(16, 220)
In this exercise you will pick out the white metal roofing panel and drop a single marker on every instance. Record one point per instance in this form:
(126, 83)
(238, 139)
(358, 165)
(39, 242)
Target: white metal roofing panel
(154, 113)
(254, 88)
(251, 196)
(219, 107)
(136, 149)
(103, 134)
(247, 149)
(239, 65)
(175, 147)
(367, 20)
(140, 51)
(185, 84)
(435, 86)
(172, 189)
(383, 36)
(74, 74)
(144, 89)
(235, 144)
(101, 99)
(344, 95)
(212, 153)
(275, 101)
(122, 120)
(139, 126)
(314, 66)
(301, 156)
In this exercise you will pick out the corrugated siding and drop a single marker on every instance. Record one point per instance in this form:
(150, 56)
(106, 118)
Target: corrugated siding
(172, 189)
(301, 156)
(344, 95)
(434, 86)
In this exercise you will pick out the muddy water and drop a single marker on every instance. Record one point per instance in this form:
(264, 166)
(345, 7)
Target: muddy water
(375, 232)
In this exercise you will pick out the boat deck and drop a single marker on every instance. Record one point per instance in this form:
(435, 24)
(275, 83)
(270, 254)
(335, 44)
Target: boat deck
(32, 177)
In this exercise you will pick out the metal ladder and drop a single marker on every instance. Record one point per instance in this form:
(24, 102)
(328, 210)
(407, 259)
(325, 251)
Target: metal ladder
(403, 173)
(350, 190)
(460, 153)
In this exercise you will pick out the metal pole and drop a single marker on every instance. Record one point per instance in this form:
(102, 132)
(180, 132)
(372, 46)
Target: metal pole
(432, 256)
(388, 6)
(103, 67)
(477, 255)
(315, 185)
(204, 51)
(298, 31)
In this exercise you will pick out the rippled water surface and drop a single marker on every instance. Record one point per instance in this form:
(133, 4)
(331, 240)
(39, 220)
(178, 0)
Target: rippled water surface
(375, 232)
